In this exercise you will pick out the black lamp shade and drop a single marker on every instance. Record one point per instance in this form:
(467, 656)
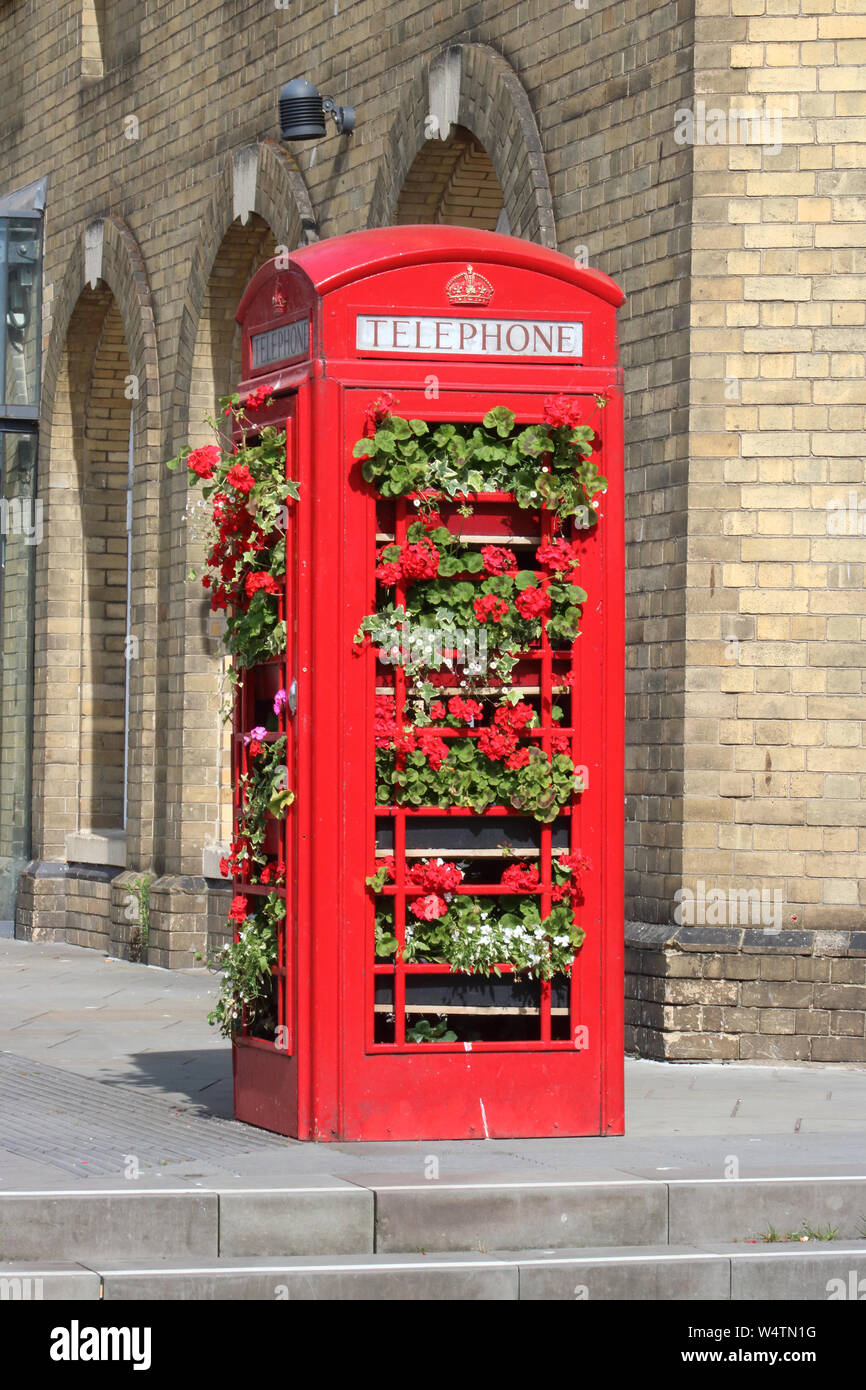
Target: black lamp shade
(302, 115)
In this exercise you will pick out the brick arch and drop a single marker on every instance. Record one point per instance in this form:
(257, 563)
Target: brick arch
(283, 204)
(199, 758)
(100, 368)
(451, 181)
(121, 268)
(259, 202)
(492, 105)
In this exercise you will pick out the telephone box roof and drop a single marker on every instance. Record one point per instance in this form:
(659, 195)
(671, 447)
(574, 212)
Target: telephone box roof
(337, 261)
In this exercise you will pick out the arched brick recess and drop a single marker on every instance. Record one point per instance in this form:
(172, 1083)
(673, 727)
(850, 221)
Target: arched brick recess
(495, 108)
(451, 181)
(282, 202)
(196, 789)
(103, 490)
(117, 313)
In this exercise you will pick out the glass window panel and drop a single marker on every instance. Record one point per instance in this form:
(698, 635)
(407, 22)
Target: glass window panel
(21, 531)
(20, 247)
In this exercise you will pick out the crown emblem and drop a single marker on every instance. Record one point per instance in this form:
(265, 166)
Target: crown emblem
(469, 288)
(279, 300)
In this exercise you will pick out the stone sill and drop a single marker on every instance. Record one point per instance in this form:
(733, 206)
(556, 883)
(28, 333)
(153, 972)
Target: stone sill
(97, 847)
(210, 862)
(652, 936)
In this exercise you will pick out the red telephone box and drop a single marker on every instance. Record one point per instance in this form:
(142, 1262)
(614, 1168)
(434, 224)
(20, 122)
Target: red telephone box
(373, 1036)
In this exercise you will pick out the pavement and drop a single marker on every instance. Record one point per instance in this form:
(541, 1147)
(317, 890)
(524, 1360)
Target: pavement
(109, 1071)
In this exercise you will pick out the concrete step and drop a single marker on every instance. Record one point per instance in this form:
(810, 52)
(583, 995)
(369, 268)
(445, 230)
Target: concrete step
(821, 1271)
(324, 1216)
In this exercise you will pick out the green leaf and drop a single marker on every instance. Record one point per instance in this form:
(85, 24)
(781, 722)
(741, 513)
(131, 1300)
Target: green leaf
(500, 419)
(384, 441)
(525, 579)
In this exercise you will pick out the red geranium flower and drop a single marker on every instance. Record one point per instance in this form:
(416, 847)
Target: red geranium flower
(438, 877)
(557, 556)
(260, 580)
(514, 716)
(204, 461)
(406, 742)
(429, 908)
(432, 746)
(497, 743)
(563, 412)
(384, 721)
(523, 877)
(378, 411)
(517, 760)
(388, 572)
(240, 478)
(498, 559)
(255, 400)
(238, 910)
(420, 561)
(489, 606)
(532, 603)
(466, 710)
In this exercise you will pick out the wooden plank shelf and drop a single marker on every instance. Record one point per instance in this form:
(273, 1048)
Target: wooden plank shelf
(491, 811)
(505, 852)
(484, 690)
(505, 541)
(479, 1010)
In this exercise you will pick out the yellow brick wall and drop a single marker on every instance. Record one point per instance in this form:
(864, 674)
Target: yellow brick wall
(775, 758)
(744, 273)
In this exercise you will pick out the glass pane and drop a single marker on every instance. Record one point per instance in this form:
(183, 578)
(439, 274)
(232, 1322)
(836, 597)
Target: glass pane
(20, 532)
(22, 312)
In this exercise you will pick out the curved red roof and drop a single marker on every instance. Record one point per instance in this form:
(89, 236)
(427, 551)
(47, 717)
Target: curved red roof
(337, 261)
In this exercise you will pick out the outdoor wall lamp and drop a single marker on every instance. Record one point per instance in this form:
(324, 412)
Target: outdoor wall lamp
(303, 112)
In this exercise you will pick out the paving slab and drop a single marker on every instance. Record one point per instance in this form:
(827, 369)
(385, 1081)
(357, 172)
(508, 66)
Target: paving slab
(492, 1214)
(821, 1271)
(311, 1215)
(653, 1273)
(428, 1278)
(746, 1208)
(107, 1225)
(29, 1283)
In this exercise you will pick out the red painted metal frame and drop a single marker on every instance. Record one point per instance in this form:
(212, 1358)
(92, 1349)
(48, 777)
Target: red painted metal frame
(337, 1083)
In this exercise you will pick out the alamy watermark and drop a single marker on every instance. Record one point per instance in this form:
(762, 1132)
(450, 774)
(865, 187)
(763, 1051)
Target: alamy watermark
(22, 516)
(738, 126)
(731, 907)
(424, 646)
(846, 516)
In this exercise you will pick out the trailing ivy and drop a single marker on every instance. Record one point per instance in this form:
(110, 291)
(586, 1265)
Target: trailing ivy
(246, 963)
(548, 464)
